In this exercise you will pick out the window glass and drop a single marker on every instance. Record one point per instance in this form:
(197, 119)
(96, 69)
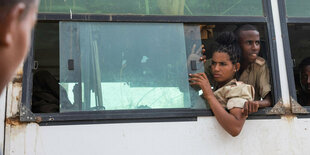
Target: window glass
(300, 47)
(113, 66)
(155, 7)
(297, 8)
(89, 66)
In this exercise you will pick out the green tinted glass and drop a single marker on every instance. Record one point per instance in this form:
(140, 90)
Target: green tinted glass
(297, 8)
(114, 66)
(155, 7)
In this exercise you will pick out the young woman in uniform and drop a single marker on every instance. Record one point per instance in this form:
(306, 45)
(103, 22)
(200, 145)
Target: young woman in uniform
(228, 99)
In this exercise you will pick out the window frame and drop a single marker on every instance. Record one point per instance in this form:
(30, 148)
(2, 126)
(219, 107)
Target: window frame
(145, 115)
(285, 20)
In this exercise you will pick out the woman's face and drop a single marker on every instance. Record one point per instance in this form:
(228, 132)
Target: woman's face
(222, 68)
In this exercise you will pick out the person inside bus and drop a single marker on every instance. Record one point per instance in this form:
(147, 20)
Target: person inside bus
(304, 75)
(17, 18)
(47, 94)
(253, 70)
(228, 99)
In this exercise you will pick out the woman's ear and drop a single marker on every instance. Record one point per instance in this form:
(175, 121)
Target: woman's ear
(5, 36)
(237, 67)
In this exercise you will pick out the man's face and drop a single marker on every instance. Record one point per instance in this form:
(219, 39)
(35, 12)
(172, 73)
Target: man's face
(305, 78)
(17, 46)
(250, 45)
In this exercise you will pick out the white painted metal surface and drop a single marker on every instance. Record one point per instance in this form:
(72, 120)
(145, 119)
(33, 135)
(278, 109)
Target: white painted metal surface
(280, 53)
(205, 136)
(14, 94)
(2, 118)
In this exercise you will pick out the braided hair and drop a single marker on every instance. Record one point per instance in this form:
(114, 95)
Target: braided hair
(228, 43)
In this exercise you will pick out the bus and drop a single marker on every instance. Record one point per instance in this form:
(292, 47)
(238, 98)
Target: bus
(111, 77)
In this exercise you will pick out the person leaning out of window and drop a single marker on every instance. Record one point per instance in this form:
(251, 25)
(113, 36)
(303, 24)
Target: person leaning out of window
(253, 69)
(230, 95)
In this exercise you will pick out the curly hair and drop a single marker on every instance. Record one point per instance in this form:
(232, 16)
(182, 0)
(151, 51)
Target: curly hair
(228, 43)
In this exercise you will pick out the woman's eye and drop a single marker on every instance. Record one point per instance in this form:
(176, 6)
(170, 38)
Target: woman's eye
(222, 64)
(257, 42)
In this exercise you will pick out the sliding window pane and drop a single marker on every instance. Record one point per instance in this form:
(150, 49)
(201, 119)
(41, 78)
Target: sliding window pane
(297, 8)
(114, 66)
(155, 7)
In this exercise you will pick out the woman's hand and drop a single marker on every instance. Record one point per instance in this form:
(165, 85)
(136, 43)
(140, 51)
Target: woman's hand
(201, 80)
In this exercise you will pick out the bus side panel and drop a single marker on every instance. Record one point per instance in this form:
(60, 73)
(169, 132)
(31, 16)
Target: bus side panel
(288, 135)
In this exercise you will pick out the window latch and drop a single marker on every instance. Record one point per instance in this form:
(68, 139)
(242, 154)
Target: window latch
(70, 64)
(193, 65)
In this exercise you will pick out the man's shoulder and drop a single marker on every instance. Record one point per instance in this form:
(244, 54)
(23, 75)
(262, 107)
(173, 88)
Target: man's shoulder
(260, 61)
(234, 84)
(242, 85)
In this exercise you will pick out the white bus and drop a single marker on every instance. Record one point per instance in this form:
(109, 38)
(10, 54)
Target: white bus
(111, 77)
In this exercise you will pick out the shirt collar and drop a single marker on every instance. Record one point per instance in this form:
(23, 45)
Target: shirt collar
(231, 82)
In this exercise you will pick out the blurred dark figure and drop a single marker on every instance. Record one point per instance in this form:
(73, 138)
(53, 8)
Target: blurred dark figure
(304, 74)
(46, 93)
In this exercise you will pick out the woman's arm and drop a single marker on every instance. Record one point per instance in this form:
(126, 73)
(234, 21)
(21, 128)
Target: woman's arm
(233, 121)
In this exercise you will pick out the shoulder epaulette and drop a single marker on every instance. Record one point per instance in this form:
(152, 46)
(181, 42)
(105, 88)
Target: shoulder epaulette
(261, 61)
(239, 83)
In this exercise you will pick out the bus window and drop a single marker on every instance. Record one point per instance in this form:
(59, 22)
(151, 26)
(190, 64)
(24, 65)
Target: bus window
(122, 66)
(299, 42)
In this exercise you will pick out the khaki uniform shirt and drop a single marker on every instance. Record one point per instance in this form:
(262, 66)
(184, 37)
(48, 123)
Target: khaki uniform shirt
(234, 94)
(256, 74)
